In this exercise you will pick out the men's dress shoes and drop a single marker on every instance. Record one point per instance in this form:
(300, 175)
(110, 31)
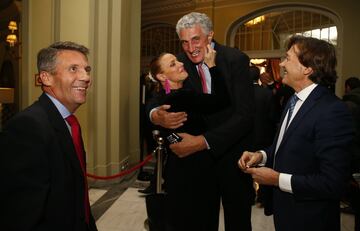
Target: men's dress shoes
(148, 190)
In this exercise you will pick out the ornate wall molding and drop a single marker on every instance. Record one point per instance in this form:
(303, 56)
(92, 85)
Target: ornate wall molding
(157, 9)
(150, 7)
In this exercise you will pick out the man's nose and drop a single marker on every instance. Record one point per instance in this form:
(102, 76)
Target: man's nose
(84, 75)
(191, 47)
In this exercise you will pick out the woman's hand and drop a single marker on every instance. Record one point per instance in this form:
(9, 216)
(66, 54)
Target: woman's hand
(210, 55)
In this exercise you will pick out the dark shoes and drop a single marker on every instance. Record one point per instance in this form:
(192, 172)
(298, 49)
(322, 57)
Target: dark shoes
(146, 224)
(148, 190)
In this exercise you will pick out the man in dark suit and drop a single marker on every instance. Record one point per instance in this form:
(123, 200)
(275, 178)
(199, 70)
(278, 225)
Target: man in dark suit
(267, 112)
(43, 175)
(229, 130)
(267, 115)
(352, 100)
(308, 164)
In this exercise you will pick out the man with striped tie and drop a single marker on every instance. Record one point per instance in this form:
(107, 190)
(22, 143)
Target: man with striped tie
(308, 164)
(211, 175)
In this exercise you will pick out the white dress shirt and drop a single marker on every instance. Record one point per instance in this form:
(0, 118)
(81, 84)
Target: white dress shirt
(62, 109)
(284, 178)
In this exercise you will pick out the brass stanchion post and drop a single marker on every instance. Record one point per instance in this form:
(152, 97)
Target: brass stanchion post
(159, 164)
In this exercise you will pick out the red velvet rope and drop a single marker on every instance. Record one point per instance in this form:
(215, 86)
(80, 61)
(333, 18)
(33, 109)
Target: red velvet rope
(122, 173)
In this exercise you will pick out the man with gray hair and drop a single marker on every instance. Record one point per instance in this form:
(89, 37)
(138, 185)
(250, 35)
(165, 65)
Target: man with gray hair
(211, 156)
(44, 185)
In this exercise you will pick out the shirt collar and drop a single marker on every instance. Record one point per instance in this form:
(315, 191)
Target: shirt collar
(304, 93)
(61, 108)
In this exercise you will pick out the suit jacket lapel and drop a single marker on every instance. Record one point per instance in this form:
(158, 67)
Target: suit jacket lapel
(223, 67)
(273, 147)
(62, 132)
(309, 103)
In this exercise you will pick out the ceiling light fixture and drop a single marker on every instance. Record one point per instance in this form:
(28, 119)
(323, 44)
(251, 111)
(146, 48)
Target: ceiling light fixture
(12, 26)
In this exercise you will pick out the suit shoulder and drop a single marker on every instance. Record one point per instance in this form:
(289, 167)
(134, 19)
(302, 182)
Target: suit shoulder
(31, 116)
(329, 102)
(231, 51)
(34, 108)
(181, 56)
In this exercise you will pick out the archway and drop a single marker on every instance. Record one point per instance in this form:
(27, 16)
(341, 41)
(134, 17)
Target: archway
(262, 33)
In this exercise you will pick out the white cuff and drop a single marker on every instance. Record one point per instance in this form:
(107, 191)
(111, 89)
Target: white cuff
(285, 182)
(207, 144)
(152, 110)
(264, 158)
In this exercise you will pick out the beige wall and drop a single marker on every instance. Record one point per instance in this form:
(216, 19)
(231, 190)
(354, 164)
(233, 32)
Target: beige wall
(111, 29)
(37, 33)
(115, 108)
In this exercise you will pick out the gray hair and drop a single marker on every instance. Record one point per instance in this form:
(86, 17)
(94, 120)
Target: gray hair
(46, 58)
(192, 19)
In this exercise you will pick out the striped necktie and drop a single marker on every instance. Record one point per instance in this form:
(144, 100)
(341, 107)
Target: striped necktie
(202, 77)
(292, 101)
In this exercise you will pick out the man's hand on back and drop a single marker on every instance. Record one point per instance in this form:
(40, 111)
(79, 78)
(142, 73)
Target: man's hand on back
(169, 120)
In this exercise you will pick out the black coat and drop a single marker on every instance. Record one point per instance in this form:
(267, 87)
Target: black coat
(315, 150)
(200, 180)
(229, 134)
(42, 181)
(195, 104)
(267, 115)
(187, 179)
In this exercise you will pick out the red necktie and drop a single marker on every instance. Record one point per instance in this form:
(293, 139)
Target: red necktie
(203, 80)
(77, 140)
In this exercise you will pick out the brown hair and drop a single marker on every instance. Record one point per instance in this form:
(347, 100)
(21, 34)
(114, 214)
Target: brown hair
(155, 69)
(317, 54)
(46, 57)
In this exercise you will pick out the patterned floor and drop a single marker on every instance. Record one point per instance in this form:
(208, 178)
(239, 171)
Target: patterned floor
(120, 207)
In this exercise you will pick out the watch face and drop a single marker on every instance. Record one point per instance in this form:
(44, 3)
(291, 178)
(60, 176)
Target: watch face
(173, 138)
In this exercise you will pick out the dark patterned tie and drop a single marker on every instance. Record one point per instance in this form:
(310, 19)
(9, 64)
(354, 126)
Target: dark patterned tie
(202, 77)
(292, 101)
(77, 140)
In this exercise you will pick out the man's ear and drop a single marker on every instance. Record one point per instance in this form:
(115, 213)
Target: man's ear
(308, 71)
(46, 78)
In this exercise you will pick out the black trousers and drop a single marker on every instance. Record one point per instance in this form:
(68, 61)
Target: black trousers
(197, 184)
(236, 192)
(191, 202)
